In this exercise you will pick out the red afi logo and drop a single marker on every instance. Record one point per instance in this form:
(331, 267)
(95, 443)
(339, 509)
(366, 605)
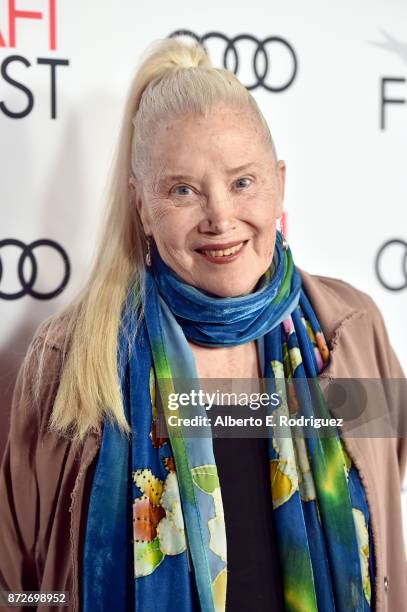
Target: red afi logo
(15, 14)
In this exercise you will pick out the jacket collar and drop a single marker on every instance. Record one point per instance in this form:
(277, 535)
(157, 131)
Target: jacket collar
(329, 306)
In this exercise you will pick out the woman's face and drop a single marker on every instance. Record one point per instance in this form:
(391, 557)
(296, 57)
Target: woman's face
(211, 199)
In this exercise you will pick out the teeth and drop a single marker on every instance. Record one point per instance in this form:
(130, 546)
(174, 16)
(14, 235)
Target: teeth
(224, 252)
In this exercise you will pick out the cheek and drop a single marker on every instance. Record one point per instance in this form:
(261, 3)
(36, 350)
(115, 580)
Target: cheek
(171, 225)
(263, 220)
(264, 198)
(261, 213)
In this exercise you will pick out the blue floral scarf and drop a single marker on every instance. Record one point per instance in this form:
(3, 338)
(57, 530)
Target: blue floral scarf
(155, 532)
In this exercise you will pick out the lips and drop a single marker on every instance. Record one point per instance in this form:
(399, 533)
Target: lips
(222, 253)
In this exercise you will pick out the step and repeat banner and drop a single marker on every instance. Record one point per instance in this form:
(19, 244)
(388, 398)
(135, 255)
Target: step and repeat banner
(331, 81)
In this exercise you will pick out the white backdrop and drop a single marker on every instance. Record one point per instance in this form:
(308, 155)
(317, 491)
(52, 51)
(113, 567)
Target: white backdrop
(346, 179)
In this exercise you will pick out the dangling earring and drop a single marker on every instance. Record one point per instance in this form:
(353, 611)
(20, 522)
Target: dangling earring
(148, 254)
(284, 242)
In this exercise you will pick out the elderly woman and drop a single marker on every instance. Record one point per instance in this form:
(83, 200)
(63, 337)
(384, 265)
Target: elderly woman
(194, 281)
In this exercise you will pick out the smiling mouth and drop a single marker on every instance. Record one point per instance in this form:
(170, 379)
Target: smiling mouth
(222, 254)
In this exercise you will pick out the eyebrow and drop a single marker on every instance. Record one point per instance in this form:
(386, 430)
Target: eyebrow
(177, 177)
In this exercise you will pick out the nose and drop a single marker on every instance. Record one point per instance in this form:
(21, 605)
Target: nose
(219, 214)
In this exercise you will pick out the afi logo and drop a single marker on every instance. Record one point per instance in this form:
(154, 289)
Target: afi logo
(9, 35)
(14, 14)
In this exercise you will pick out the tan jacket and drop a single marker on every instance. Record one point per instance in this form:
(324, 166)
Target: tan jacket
(45, 482)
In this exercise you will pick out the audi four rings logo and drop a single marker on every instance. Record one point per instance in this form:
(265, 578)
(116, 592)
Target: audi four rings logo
(262, 63)
(391, 263)
(27, 284)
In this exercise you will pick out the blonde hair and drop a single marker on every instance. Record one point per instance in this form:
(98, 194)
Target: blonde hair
(173, 78)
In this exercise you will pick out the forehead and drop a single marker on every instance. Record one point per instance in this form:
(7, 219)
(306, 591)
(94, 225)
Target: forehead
(228, 139)
(219, 120)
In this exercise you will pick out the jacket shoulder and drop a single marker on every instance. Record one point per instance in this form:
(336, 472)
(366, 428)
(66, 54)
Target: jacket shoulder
(341, 289)
(347, 292)
(54, 331)
(361, 301)
(36, 387)
(38, 379)
(341, 296)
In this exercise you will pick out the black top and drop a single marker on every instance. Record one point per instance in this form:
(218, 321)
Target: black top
(254, 574)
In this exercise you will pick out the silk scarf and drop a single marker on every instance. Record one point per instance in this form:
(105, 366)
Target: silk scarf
(155, 533)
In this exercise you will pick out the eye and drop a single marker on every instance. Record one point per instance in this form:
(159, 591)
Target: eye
(242, 181)
(184, 187)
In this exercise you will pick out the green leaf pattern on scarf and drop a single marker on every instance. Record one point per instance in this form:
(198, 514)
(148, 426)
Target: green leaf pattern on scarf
(285, 479)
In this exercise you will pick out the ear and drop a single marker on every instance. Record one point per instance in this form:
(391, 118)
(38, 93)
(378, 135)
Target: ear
(281, 169)
(137, 201)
